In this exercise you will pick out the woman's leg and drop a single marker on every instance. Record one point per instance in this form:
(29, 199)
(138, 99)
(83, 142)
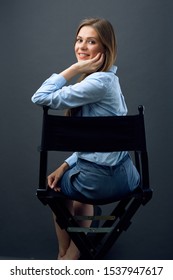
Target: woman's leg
(79, 209)
(63, 239)
(62, 235)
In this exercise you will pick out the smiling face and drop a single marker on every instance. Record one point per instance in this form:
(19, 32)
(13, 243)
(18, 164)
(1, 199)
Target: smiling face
(87, 44)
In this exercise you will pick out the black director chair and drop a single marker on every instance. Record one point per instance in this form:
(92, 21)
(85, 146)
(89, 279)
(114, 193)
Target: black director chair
(102, 134)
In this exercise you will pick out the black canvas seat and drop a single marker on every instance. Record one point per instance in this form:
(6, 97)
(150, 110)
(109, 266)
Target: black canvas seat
(102, 134)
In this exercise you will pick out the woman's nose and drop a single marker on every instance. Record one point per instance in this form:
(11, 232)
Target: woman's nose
(83, 45)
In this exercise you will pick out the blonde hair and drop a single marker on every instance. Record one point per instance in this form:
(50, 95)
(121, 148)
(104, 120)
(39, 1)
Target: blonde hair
(107, 38)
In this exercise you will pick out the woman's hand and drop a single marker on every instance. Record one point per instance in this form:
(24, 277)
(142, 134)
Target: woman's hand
(55, 176)
(84, 66)
(90, 65)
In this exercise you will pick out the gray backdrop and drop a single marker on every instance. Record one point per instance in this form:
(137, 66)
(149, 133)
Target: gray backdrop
(37, 40)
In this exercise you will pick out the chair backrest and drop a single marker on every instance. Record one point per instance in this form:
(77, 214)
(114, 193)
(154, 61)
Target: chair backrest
(98, 134)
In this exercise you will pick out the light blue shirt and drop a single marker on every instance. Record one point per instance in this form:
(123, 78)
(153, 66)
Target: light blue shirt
(99, 94)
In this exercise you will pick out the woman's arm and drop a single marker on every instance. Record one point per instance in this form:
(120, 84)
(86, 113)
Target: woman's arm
(56, 95)
(55, 176)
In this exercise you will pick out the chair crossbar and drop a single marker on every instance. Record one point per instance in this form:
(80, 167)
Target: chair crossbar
(90, 230)
(94, 218)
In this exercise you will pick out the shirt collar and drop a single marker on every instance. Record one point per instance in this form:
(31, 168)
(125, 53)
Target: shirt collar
(113, 69)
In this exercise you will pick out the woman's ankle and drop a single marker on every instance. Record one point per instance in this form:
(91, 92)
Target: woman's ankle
(72, 253)
(62, 252)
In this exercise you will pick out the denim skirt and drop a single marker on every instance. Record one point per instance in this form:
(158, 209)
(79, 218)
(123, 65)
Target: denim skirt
(88, 181)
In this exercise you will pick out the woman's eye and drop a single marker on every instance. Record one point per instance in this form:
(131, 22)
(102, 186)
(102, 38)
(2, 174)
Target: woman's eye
(79, 40)
(92, 42)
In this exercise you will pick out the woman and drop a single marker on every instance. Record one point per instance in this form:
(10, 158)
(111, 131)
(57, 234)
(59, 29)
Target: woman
(84, 175)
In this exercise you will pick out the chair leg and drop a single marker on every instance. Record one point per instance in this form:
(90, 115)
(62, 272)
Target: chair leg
(117, 212)
(121, 226)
